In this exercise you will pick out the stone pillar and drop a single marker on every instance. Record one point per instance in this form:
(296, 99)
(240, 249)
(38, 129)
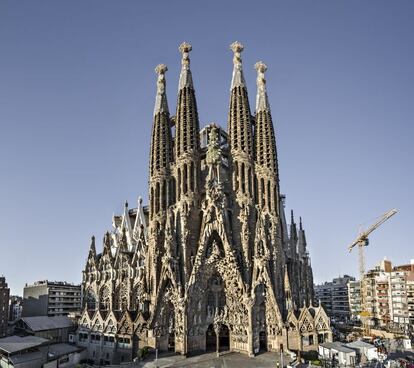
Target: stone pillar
(250, 337)
(217, 328)
(185, 335)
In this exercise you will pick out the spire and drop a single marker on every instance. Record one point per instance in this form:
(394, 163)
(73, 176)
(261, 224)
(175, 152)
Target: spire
(123, 246)
(240, 124)
(265, 145)
(262, 103)
(301, 239)
(161, 140)
(186, 79)
(237, 78)
(288, 291)
(92, 249)
(107, 244)
(187, 125)
(293, 236)
(161, 105)
(283, 222)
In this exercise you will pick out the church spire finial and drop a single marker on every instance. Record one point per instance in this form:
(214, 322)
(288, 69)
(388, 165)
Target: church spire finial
(238, 78)
(300, 223)
(186, 79)
(161, 104)
(262, 102)
(292, 220)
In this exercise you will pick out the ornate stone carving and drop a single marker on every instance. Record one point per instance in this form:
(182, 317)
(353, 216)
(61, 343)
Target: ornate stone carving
(212, 250)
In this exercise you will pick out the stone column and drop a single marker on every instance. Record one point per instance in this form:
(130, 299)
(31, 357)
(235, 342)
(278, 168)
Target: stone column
(185, 335)
(217, 328)
(250, 337)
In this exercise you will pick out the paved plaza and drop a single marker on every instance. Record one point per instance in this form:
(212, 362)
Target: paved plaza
(226, 360)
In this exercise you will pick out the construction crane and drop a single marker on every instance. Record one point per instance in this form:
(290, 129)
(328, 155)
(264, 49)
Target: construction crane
(362, 241)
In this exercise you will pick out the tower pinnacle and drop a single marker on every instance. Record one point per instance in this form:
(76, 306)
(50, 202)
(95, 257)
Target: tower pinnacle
(92, 249)
(186, 79)
(238, 78)
(261, 97)
(161, 104)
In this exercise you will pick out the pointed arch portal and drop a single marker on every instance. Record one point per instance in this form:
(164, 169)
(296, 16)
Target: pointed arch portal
(220, 342)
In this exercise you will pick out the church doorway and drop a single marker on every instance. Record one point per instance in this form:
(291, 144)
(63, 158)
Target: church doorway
(263, 341)
(171, 341)
(218, 343)
(211, 339)
(224, 338)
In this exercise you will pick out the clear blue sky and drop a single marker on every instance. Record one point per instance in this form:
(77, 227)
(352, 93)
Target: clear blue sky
(77, 91)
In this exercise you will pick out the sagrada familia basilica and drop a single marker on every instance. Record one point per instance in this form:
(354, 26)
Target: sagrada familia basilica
(210, 264)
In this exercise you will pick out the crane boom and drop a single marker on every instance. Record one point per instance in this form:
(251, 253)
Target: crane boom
(384, 218)
(363, 236)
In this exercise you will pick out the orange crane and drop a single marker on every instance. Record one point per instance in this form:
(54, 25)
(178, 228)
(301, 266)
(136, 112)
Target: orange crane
(362, 241)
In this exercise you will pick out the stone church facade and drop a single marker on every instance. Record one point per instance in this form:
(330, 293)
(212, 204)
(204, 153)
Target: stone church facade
(210, 263)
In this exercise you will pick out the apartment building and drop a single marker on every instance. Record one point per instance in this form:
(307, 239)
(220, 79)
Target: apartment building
(354, 298)
(4, 306)
(388, 295)
(410, 298)
(333, 296)
(51, 298)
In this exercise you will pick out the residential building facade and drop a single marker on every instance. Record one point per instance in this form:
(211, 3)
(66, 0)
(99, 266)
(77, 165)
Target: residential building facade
(4, 306)
(333, 296)
(15, 308)
(388, 296)
(51, 298)
(354, 298)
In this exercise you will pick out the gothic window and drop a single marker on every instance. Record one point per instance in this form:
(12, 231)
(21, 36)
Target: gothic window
(321, 325)
(152, 202)
(90, 299)
(110, 328)
(236, 176)
(243, 178)
(157, 198)
(215, 246)
(262, 192)
(125, 329)
(134, 298)
(85, 323)
(185, 187)
(250, 181)
(216, 297)
(306, 326)
(164, 195)
(192, 176)
(104, 298)
(124, 297)
(97, 326)
(179, 184)
(172, 191)
(269, 199)
(210, 304)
